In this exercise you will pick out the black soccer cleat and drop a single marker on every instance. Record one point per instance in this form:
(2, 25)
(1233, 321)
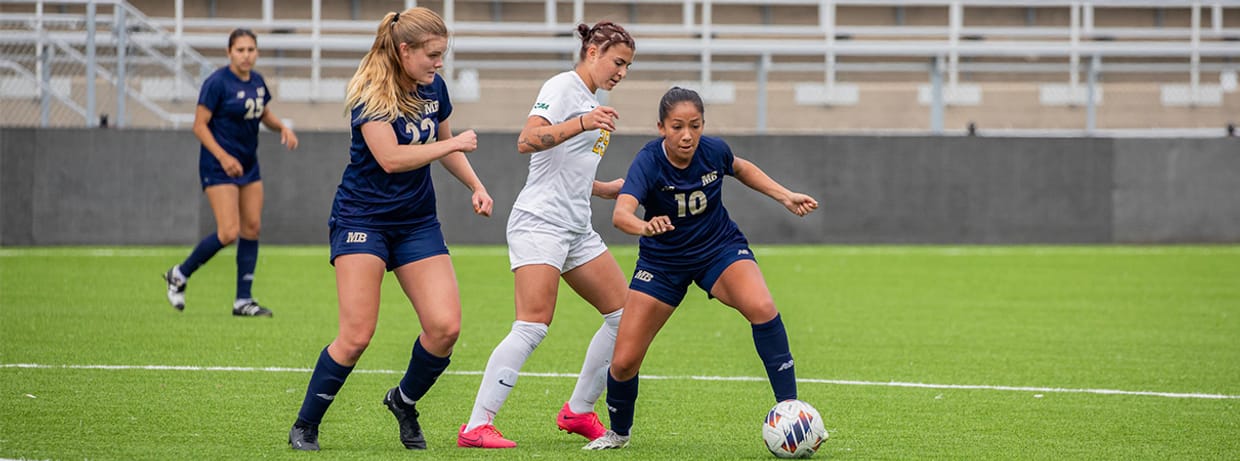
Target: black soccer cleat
(251, 309)
(407, 418)
(176, 290)
(304, 437)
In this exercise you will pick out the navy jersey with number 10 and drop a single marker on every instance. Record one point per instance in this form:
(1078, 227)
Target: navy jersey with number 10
(691, 197)
(372, 198)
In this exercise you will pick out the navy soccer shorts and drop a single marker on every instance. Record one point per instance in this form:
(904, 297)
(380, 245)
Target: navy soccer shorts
(214, 175)
(669, 283)
(396, 247)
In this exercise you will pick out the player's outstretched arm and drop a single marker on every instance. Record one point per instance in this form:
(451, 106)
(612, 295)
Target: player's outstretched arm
(625, 218)
(459, 166)
(753, 177)
(397, 158)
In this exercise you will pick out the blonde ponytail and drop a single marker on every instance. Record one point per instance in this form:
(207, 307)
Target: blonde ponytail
(380, 85)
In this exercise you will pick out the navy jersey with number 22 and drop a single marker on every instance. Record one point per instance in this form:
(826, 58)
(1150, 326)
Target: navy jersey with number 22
(372, 198)
(691, 197)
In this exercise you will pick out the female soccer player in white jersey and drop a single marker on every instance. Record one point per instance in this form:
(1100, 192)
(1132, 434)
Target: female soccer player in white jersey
(687, 237)
(384, 218)
(232, 102)
(549, 234)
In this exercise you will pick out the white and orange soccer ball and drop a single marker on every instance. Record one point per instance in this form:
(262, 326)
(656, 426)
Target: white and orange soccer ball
(793, 429)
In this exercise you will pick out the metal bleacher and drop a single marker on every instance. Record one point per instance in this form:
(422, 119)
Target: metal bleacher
(776, 66)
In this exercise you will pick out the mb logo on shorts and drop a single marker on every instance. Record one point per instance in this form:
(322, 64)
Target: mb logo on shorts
(355, 237)
(643, 276)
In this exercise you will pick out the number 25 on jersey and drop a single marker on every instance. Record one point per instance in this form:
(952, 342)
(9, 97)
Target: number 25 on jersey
(253, 108)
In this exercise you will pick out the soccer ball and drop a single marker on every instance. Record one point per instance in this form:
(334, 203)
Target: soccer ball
(793, 429)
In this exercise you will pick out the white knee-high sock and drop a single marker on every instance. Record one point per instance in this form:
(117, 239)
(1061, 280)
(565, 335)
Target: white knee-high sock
(502, 368)
(593, 377)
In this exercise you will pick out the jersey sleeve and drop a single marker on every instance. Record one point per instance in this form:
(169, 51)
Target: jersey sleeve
(445, 102)
(209, 95)
(355, 117)
(726, 156)
(551, 104)
(637, 180)
(262, 83)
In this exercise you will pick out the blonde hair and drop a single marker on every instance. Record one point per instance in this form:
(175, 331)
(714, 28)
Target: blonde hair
(380, 84)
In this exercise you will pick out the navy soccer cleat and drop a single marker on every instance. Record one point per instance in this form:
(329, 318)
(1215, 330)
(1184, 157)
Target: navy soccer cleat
(407, 417)
(304, 437)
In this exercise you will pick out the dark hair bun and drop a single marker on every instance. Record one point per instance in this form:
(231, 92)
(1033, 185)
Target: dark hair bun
(584, 31)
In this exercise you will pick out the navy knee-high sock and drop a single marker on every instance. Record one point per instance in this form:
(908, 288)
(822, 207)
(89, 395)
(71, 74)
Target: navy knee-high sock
(621, 403)
(202, 252)
(325, 382)
(772, 343)
(247, 258)
(424, 369)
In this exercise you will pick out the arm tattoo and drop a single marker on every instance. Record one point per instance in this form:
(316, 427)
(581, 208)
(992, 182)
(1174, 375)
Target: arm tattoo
(544, 141)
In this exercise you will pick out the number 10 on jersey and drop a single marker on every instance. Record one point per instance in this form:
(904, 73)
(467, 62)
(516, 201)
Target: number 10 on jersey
(696, 203)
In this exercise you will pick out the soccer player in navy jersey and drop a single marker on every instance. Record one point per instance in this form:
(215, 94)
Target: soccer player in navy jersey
(687, 237)
(383, 218)
(232, 102)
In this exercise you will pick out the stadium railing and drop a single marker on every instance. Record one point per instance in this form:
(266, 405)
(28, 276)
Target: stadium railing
(698, 43)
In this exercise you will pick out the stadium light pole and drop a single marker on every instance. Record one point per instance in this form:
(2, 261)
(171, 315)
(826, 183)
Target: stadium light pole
(45, 86)
(40, 63)
(122, 49)
(316, 53)
(1091, 109)
(90, 63)
(936, 95)
(764, 66)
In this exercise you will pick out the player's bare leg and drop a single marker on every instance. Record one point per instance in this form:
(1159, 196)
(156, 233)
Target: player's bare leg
(601, 283)
(742, 287)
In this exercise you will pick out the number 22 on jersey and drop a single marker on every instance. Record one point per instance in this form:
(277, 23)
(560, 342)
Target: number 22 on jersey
(415, 131)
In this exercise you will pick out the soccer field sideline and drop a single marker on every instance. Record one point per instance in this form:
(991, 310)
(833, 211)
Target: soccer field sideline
(631, 250)
(800, 380)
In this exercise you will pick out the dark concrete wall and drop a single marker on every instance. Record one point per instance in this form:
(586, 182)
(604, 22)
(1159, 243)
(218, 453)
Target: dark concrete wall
(1177, 190)
(77, 186)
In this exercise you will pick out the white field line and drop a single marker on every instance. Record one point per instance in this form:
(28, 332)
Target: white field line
(838, 382)
(629, 250)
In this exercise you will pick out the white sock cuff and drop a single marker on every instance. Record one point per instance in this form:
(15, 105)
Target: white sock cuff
(613, 319)
(532, 332)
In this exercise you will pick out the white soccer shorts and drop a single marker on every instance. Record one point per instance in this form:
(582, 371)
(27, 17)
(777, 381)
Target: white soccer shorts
(533, 240)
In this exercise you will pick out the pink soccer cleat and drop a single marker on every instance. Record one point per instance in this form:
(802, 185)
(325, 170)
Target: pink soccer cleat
(484, 436)
(586, 424)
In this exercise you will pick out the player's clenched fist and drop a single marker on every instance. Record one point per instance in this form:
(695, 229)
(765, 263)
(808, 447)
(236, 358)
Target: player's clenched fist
(466, 141)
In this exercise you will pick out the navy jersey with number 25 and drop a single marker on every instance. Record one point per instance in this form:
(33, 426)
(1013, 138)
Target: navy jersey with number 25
(236, 109)
(372, 198)
(691, 197)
